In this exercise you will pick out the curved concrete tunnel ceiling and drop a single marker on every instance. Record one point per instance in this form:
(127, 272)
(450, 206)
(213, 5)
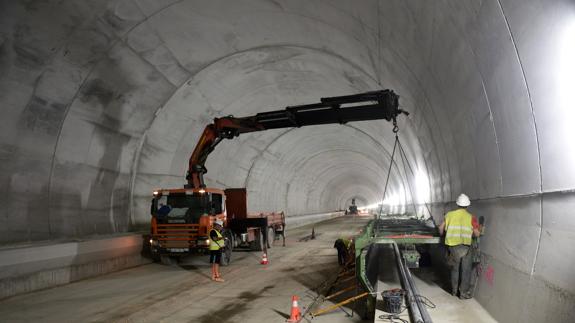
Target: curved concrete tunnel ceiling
(103, 101)
(256, 161)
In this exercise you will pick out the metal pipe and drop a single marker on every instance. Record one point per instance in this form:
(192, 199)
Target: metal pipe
(422, 308)
(411, 299)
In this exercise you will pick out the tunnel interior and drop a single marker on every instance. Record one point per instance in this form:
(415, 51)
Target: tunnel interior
(103, 102)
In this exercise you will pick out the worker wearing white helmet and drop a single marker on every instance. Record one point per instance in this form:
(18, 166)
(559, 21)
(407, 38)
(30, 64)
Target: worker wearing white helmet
(216, 244)
(459, 227)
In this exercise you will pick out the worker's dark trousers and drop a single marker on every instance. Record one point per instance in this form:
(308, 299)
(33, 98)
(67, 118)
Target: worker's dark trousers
(462, 261)
(341, 251)
(341, 256)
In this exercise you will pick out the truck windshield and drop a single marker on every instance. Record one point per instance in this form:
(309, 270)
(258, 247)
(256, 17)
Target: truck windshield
(188, 207)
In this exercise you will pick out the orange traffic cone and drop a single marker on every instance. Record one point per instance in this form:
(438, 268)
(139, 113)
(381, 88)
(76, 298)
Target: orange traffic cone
(264, 259)
(295, 314)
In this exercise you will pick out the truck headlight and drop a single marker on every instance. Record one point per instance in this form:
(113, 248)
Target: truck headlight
(203, 242)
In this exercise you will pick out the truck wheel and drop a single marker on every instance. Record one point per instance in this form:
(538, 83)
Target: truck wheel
(258, 243)
(155, 255)
(228, 248)
(230, 240)
(271, 237)
(226, 256)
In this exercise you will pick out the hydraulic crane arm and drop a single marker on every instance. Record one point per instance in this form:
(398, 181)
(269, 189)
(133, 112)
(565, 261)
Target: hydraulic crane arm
(341, 109)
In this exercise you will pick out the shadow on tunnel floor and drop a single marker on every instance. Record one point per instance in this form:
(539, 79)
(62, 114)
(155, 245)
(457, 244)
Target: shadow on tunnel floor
(226, 310)
(435, 270)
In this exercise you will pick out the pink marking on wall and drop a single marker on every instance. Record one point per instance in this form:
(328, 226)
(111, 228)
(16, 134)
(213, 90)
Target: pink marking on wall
(489, 275)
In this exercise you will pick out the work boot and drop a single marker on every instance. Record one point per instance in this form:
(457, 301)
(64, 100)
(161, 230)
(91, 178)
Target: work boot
(465, 296)
(454, 291)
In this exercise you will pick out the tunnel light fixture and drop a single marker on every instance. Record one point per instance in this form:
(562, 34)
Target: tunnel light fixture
(566, 68)
(394, 199)
(372, 206)
(565, 85)
(566, 72)
(422, 189)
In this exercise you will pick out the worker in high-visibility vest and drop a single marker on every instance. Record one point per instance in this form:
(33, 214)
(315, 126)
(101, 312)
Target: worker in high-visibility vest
(343, 246)
(459, 227)
(217, 242)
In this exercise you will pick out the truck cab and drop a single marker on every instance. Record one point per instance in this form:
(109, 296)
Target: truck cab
(182, 218)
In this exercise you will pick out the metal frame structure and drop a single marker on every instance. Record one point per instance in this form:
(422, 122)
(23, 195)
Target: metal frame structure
(396, 230)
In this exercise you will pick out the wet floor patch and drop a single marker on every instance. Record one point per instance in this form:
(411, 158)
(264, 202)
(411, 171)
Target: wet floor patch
(228, 311)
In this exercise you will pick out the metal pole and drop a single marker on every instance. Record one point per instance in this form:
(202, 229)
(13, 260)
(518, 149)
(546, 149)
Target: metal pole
(411, 299)
(422, 308)
(340, 304)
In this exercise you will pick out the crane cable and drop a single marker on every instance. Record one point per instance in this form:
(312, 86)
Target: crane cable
(406, 164)
(395, 130)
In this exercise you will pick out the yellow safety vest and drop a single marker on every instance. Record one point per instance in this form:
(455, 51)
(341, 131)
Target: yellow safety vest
(346, 242)
(458, 228)
(215, 245)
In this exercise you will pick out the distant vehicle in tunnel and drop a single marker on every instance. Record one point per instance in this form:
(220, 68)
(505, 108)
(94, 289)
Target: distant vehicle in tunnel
(181, 218)
(352, 208)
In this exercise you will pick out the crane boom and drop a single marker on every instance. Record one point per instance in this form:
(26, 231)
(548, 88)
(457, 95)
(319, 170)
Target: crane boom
(373, 105)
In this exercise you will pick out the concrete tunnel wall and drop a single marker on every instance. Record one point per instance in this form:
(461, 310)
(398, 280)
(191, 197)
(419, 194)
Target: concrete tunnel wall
(103, 101)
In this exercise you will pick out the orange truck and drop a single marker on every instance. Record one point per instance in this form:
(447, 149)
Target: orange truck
(182, 217)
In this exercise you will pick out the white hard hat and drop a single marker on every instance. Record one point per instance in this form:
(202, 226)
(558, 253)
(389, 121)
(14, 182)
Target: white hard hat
(219, 222)
(463, 200)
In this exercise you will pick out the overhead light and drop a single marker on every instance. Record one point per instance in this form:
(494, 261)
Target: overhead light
(566, 66)
(155, 192)
(422, 187)
(565, 83)
(202, 191)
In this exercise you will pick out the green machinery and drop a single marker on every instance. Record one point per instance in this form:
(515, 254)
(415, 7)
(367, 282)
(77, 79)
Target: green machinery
(406, 232)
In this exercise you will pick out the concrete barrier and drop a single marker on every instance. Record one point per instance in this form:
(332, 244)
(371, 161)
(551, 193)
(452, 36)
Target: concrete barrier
(33, 267)
(305, 219)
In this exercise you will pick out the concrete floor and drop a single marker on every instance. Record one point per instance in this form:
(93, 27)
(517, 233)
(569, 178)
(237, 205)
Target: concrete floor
(184, 293)
(432, 286)
(103, 101)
